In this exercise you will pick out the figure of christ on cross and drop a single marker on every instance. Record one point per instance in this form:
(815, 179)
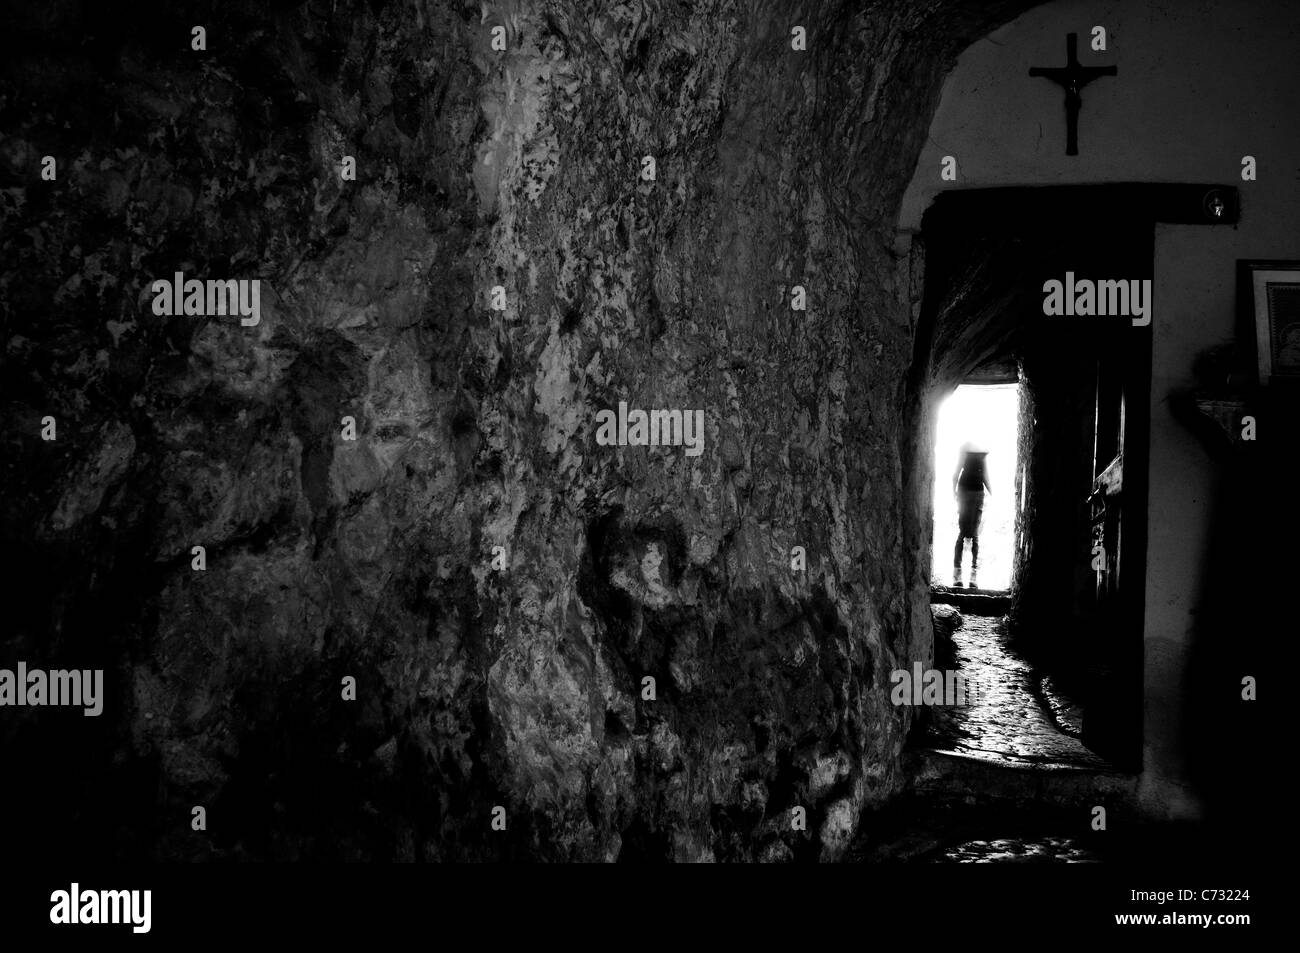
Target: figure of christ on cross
(1073, 76)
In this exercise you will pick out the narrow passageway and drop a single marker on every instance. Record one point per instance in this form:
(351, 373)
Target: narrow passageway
(1007, 721)
(998, 780)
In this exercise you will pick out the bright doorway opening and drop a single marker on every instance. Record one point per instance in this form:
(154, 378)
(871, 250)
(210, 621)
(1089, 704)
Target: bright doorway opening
(978, 425)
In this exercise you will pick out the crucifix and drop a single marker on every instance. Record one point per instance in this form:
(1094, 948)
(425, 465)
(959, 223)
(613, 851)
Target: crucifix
(1073, 76)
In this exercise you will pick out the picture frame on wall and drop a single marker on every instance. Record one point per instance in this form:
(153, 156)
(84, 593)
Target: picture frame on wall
(1272, 289)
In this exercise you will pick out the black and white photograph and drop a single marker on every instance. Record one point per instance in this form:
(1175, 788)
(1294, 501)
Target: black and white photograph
(442, 438)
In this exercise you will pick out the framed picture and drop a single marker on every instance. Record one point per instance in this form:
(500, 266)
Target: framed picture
(1274, 296)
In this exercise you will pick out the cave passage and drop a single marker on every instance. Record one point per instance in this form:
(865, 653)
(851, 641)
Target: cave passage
(984, 415)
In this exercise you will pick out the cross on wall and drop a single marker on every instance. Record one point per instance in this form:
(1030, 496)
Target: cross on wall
(1073, 76)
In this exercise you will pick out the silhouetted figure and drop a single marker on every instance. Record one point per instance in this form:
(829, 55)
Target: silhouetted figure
(969, 482)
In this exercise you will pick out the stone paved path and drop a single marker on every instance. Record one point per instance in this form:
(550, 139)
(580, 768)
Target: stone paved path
(1007, 723)
(1049, 850)
(995, 781)
(933, 828)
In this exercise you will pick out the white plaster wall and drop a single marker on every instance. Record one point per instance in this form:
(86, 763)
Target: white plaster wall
(1200, 84)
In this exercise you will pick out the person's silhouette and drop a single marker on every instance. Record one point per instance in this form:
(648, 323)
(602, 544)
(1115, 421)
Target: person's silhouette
(969, 482)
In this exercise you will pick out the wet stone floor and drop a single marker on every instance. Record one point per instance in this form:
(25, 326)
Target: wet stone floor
(1011, 722)
(924, 829)
(1018, 850)
(1005, 722)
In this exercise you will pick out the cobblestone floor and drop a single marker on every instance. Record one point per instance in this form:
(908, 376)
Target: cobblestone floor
(1006, 723)
(962, 818)
(946, 830)
(1042, 850)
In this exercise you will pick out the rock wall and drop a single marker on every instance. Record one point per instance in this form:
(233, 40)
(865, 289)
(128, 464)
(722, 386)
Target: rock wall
(373, 558)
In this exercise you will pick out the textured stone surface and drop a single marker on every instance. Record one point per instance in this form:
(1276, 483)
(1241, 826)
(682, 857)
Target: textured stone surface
(371, 558)
(1007, 722)
(947, 620)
